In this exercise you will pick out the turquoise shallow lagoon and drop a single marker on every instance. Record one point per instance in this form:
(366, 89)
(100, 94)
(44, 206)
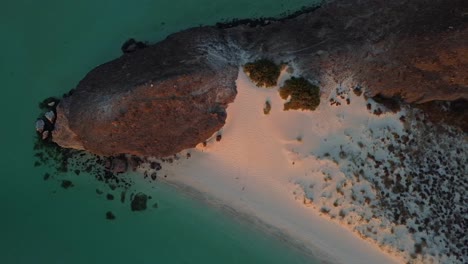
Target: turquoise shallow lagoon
(47, 47)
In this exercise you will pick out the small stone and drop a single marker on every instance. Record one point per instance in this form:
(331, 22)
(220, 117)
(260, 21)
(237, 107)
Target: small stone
(134, 162)
(218, 137)
(50, 116)
(139, 202)
(110, 215)
(110, 197)
(40, 124)
(155, 205)
(46, 176)
(45, 134)
(119, 165)
(153, 176)
(99, 192)
(51, 104)
(155, 166)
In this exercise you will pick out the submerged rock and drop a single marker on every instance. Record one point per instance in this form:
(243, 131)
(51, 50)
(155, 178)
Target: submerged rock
(66, 184)
(172, 95)
(139, 202)
(110, 215)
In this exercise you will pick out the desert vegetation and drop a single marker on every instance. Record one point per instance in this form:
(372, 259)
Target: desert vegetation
(263, 72)
(304, 95)
(267, 108)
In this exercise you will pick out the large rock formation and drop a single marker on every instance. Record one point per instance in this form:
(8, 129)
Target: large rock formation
(152, 102)
(172, 95)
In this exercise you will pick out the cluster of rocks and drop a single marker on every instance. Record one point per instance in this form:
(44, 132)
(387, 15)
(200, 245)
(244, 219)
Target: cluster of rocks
(45, 124)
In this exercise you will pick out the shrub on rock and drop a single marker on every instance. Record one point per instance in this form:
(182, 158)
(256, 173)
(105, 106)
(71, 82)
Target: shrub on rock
(263, 72)
(304, 95)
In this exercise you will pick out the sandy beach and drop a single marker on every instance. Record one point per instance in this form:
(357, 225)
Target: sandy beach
(261, 162)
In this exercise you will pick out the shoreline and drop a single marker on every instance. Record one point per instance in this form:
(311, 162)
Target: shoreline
(251, 174)
(256, 223)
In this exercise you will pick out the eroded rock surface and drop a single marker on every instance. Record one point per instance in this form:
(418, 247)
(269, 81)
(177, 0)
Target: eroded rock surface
(152, 102)
(172, 95)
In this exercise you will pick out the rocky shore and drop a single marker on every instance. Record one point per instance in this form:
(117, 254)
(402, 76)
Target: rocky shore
(158, 99)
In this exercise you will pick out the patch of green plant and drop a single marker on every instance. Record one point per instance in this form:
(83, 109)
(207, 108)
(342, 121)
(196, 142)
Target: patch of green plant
(304, 95)
(267, 108)
(263, 72)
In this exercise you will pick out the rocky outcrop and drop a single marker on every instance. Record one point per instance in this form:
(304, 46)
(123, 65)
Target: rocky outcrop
(172, 95)
(152, 102)
(417, 50)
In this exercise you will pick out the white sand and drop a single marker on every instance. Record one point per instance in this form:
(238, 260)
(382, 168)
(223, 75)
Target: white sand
(259, 165)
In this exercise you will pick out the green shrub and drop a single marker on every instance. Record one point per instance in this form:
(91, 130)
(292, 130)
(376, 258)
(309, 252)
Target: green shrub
(267, 108)
(263, 72)
(304, 95)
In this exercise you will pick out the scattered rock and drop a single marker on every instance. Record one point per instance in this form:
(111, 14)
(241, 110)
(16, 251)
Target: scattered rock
(155, 166)
(139, 202)
(110, 197)
(119, 165)
(45, 134)
(134, 162)
(218, 137)
(46, 176)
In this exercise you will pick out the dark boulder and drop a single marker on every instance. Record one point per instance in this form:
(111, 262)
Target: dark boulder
(131, 45)
(139, 201)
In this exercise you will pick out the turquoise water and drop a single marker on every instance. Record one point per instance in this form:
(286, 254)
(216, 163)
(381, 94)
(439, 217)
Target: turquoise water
(47, 47)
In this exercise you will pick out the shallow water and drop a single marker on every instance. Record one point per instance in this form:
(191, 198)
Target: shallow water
(48, 46)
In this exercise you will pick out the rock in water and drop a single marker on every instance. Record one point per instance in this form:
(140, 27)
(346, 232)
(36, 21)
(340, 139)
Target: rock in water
(40, 124)
(45, 134)
(110, 215)
(119, 165)
(139, 202)
(50, 116)
(172, 95)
